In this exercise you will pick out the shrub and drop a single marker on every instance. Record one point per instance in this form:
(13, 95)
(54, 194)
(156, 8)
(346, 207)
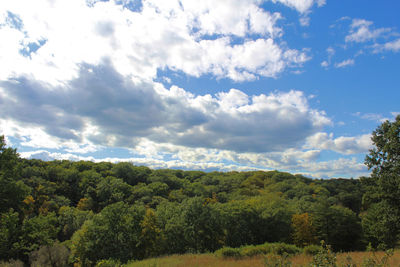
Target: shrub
(282, 248)
(108, 263)
(54, 255)
(12, 263)
(374, 261)
(273, 260)
(254, 250)
(250, 251)
(312, 249)
(228, 252)
(325, 257)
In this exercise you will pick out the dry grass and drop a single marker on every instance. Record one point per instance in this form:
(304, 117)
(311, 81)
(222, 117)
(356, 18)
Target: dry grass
(199, 260)
(210, 260)
(359, 257)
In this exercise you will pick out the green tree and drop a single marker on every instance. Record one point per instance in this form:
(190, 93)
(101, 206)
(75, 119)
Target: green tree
(12, 191)
(151, 235)
(337, 226)
(70, 220)
(38, 231)
(203, 228)
(113, 233)
(10, 232)
(379, 224)
(129, 173)
(384, 184)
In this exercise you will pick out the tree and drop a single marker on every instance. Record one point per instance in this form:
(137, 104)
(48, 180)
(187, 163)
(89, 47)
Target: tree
(10, 232)
(39, 231)
(304, 232)
(12, 191)
(151, 235)
(384, 184)
(378, 225)
(55, 255)
(113, 233)
(130, 174)
(337, 226)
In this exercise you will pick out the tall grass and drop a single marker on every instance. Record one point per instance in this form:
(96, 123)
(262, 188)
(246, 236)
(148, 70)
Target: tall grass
(348, 259)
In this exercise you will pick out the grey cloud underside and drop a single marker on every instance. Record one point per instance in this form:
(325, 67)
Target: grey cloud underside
(123, 112)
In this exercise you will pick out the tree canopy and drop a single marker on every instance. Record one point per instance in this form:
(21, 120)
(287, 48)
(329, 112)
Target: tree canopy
(84, 212)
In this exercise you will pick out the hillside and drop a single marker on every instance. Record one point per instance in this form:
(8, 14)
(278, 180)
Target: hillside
(64, 213)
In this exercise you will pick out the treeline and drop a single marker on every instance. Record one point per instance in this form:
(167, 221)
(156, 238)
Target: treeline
(66, 213)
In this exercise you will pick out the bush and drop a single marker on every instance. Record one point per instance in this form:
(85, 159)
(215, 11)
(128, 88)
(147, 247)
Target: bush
(250, 251)
(282, 248)
(267, 248)
(228, 252)
(273, 260)
(312, 249)
(374, 261)
(108, 263)
(54, 255)
(325, 257)
(12, 263)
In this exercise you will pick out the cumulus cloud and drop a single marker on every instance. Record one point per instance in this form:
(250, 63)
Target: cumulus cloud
(102, 107)
(85, 84)
(342, 144)
(336, 168)
(170, 156)
(195, 37)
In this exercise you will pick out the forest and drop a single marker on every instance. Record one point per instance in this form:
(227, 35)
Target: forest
(81, 213)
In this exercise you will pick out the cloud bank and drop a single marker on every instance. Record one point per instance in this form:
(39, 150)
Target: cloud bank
(87, 84)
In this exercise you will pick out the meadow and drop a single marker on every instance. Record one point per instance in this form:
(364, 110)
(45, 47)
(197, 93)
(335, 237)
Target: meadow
(348, 259)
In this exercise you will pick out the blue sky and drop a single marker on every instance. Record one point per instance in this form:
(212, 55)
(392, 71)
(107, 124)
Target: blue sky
(232, 85)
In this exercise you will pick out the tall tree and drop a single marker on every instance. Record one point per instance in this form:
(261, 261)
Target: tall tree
(12, 191)
(384, 183)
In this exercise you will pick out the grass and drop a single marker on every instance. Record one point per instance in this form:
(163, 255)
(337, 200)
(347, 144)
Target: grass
(198, 260)
(211, 260)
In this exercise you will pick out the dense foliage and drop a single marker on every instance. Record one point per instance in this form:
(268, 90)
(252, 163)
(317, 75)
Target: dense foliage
(84, 212)
(382, 222)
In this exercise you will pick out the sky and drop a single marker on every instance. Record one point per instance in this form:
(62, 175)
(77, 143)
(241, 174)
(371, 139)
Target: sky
(226, 85)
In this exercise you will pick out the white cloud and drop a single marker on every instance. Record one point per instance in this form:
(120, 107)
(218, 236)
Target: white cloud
(376, 116)
(341, 167)
(170, 156)
(194, 37)
(305, 21)
(321, 3)
(302, 6)
(393, 46)
(364, 33)
(344, 63)
(101, 107)
(361, 31)
(330, 52)
(34, 136)
(342, 144)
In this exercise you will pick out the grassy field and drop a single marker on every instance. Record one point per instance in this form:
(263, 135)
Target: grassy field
(210, 260)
